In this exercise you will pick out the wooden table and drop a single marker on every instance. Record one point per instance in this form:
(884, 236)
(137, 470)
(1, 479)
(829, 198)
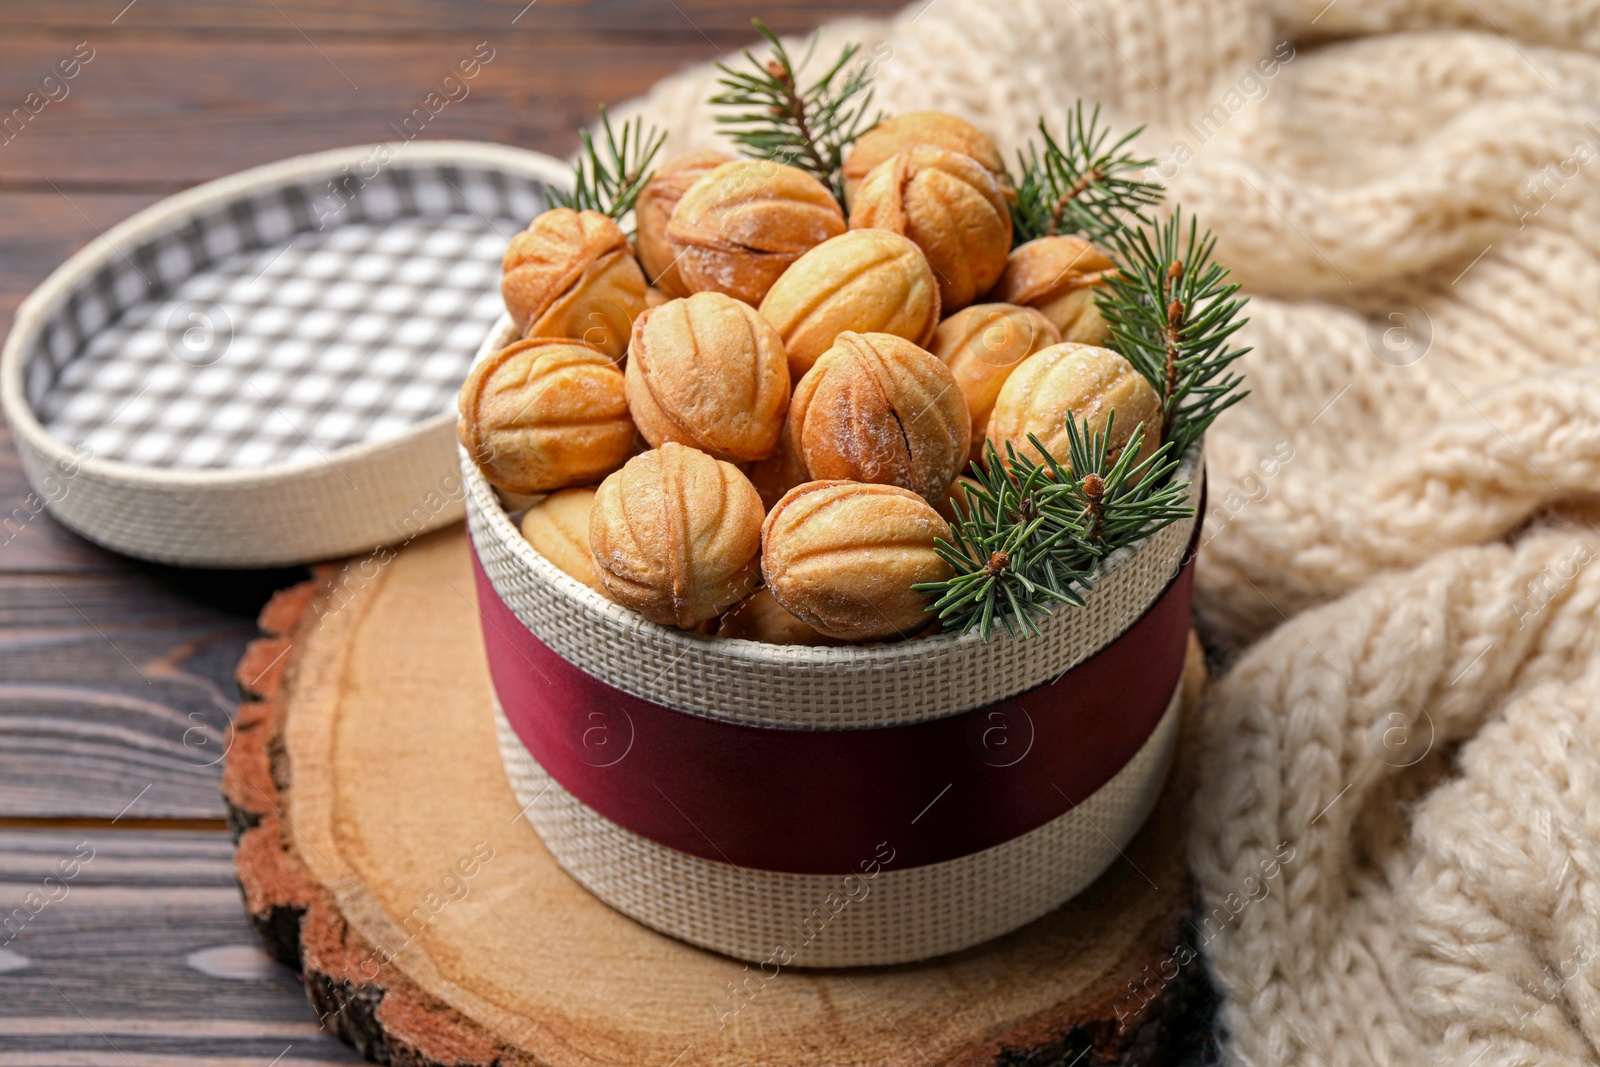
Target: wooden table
(122, 939)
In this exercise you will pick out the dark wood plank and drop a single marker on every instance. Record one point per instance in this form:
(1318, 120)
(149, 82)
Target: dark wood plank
(131, 948)
(651, 18)
(115, 695)
(30, 540)
(241, 103)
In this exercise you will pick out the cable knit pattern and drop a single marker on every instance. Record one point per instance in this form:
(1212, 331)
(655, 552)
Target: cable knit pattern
(1399, 548)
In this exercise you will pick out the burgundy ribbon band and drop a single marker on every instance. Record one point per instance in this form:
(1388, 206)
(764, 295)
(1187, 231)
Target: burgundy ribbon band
(823, 801)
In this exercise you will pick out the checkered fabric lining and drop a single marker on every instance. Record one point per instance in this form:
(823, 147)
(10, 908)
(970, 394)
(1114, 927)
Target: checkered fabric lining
(287, 325)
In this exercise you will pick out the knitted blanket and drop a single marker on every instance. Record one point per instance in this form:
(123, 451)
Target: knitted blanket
(1397, 828)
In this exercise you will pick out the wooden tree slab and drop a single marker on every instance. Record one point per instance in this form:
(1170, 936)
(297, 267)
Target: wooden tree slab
(381, 851)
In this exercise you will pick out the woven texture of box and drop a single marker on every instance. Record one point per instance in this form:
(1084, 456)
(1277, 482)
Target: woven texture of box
(843, 920)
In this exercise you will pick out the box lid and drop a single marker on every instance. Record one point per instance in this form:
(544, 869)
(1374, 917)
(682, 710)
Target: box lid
(262, 370)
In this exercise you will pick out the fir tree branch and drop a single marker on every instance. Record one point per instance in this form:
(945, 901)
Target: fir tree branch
(1028, 535)
(1079, 185)
(1116, 502)
(1007, 566)
(777, 119)
(610, 180)
(1172, 314)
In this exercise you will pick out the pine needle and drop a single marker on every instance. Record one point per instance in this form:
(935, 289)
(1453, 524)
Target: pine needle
(1079, 185)
(1028, 535)
(609, 178)
(774, 118)
(1172, 314)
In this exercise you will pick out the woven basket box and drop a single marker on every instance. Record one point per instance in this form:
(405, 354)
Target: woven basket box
(831, 806)
(263, 370)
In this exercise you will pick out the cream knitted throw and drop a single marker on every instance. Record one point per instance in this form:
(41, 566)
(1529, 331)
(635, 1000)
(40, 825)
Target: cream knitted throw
(1397, 551)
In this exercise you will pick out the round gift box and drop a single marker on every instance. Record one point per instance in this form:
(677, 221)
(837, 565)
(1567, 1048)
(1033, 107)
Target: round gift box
(832, 806)
(262, 369)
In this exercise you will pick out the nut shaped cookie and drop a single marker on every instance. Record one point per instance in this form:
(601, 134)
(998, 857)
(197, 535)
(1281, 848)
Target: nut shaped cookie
(950, 207)
(759, 617)
(955, 505)
(710, 372)
(653, 210)
(543, 414)
(869, 281)
(876, 408)
(557, 526)
(898, 132)
(1058, 276)
(739, 226)
(982, 345)
(676, 535)
(778, 473)
(1085, 382)
(571, 274)
(843, 556)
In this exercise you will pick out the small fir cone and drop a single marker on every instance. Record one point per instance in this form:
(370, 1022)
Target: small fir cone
(1059, 277)
(897, 133)
(1078, 380)
(950, 207)
(843, 556)
(742, 224)
(876, 408)
(708, 371)
(557, 526)
(571, 274)
(759, 617)
(982, 345)
(653, 210)
(544, 414)
(676, 535)
(869, 281)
